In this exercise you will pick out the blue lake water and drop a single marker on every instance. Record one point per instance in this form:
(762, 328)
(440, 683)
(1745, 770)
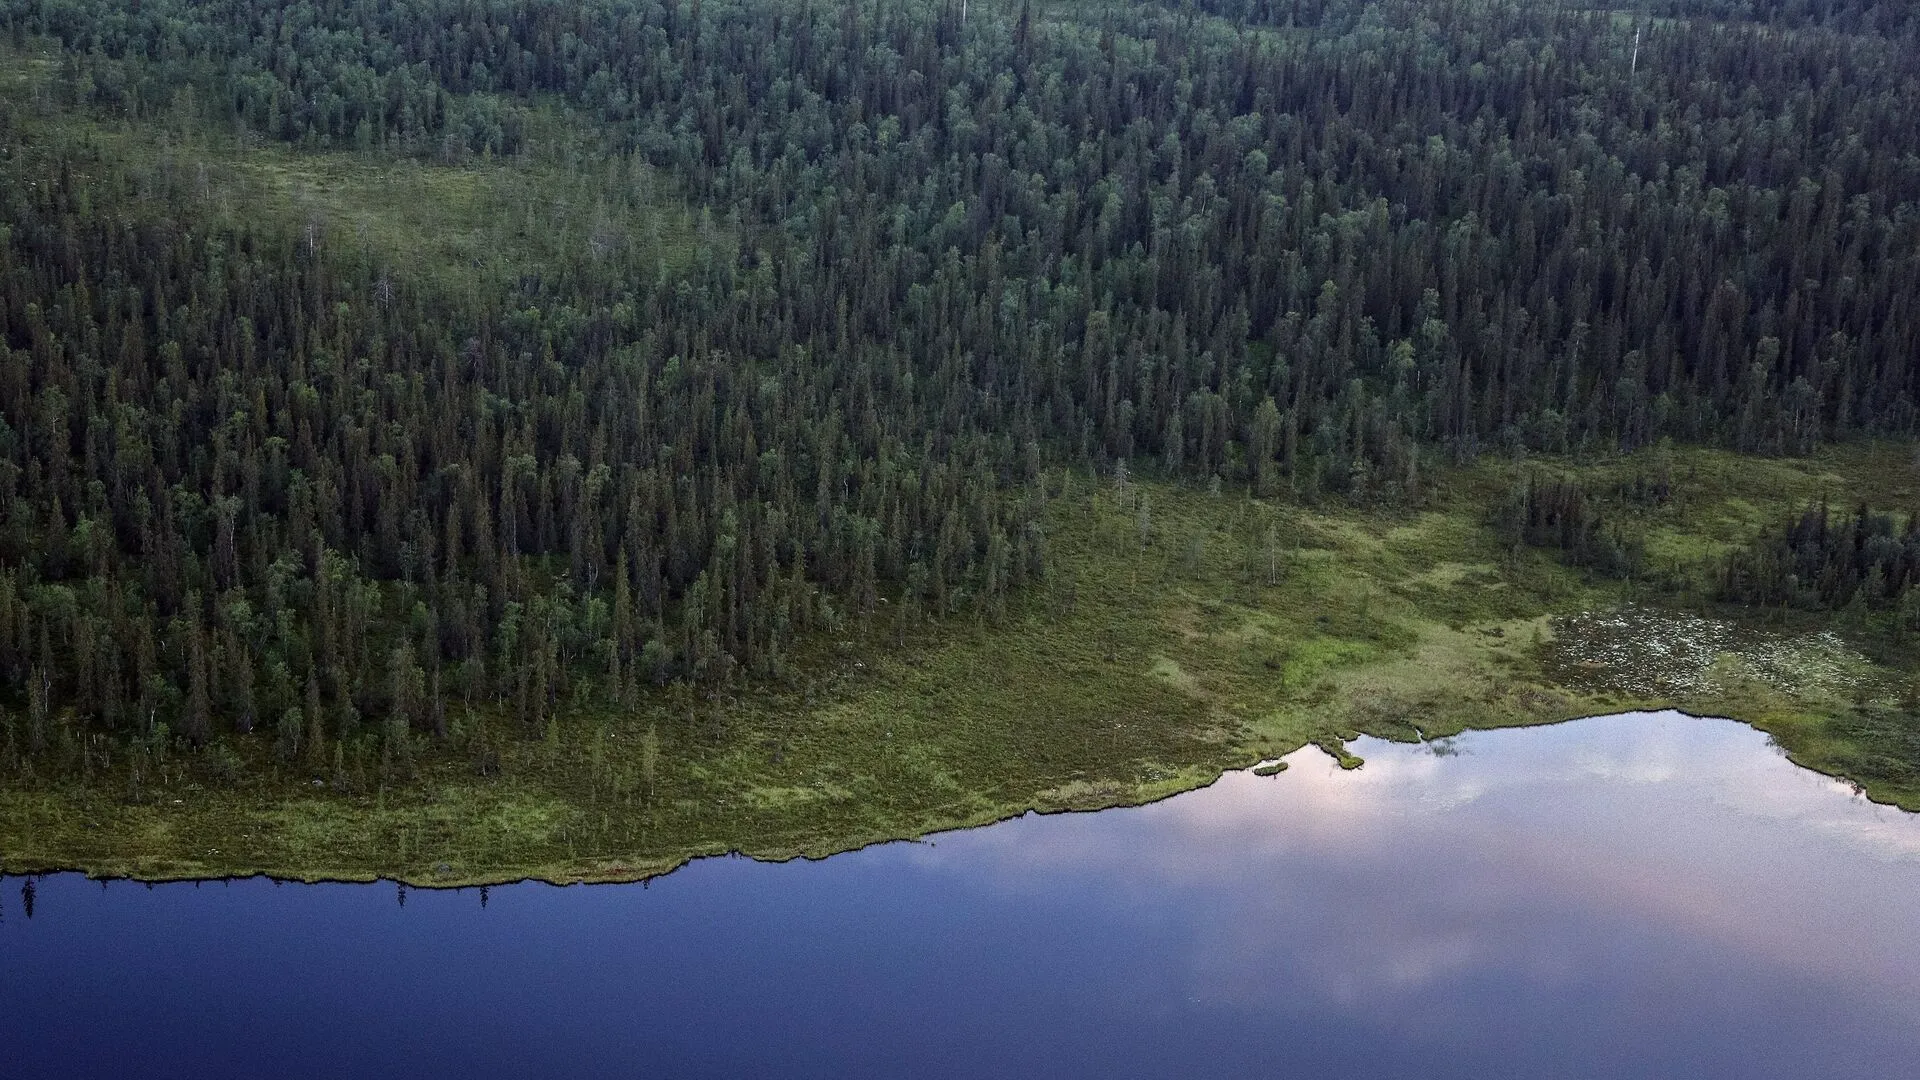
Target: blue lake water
(1647, 895)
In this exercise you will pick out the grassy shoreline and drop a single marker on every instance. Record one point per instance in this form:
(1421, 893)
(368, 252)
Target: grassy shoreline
(1179, 634)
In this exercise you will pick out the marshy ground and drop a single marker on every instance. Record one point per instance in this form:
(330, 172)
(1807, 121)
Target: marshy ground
(1180, 632)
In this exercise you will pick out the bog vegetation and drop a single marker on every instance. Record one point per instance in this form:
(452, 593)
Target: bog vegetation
(377, 378)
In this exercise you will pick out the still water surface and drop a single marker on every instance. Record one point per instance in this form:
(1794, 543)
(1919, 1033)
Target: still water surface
(1645, 895)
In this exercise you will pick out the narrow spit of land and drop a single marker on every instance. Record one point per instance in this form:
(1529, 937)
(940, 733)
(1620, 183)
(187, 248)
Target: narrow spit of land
(1180, 632)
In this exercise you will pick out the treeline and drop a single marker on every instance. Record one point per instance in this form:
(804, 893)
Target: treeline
(245, 478)
(246, 483)
(1561, 515)
(1822, 561)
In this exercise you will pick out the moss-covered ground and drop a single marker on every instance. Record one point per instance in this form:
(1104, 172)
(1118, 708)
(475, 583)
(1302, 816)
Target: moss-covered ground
(1207, 632)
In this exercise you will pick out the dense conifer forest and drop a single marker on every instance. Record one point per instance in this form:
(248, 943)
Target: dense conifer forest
(257, 476)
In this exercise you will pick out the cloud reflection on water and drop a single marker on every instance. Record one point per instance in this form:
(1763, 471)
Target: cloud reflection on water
(1549, 856)
(1627, 897)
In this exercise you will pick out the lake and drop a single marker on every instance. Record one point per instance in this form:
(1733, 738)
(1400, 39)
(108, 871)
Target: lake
(1641, 895)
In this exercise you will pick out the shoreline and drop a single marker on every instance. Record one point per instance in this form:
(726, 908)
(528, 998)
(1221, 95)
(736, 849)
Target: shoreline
(1137, 670)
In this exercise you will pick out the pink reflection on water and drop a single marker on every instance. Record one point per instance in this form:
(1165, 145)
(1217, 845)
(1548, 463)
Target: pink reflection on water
(1379, 885)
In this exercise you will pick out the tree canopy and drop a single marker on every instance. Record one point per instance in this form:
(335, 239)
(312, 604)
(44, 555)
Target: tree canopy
(251, 477)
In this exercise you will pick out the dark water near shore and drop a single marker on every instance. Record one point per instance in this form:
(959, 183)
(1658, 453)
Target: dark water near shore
(1649, 895)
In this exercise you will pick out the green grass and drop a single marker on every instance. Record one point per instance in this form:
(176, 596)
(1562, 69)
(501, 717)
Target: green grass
(470, 226)
(473, 226)
(1135, 671)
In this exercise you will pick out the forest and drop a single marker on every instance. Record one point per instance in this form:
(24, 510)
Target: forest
(271, 483)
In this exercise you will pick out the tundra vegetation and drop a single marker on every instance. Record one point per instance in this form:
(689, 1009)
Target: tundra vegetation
(469, 439)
